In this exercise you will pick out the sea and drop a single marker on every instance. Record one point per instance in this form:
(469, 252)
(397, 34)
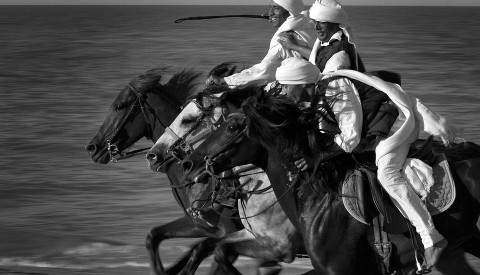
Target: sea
(62, 66)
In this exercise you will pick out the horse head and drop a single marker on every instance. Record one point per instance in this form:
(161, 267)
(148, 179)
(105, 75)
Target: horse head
(143, 108)
(198, 117)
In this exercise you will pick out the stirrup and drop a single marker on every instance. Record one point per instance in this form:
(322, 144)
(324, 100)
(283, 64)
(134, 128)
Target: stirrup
(421, 269)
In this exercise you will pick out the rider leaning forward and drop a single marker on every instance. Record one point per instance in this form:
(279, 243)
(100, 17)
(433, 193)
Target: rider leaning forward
(287, 16)
(391, 151)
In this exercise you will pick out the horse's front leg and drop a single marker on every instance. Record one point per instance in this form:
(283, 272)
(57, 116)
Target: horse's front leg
(179, 228)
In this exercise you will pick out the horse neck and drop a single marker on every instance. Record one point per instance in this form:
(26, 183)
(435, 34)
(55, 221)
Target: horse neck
(165, 110)
(282, 174)
(278, 171)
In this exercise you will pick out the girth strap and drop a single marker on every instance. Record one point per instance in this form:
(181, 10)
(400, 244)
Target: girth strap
(382, 245)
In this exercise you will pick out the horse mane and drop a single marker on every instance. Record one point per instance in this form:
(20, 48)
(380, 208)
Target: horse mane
(238, 95)
(181, 85)
(278, 120)
(178, 88)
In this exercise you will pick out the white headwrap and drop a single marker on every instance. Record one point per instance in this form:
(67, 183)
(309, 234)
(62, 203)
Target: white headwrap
(295, 7)
(295, 70)
(328, 11)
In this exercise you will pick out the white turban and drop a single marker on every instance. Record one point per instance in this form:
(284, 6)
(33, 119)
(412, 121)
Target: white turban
(295, 70)
(295, 7)
(328, 11)
(331, 11)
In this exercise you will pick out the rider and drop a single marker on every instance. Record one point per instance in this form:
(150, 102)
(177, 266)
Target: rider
(298, 76)
(334, 47)
(287, 16)
(392, 150)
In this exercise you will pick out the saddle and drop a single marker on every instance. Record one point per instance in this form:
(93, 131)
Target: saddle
(365, 199)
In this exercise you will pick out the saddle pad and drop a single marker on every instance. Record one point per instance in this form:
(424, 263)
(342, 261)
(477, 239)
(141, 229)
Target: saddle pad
(356, 191)
(442, 194)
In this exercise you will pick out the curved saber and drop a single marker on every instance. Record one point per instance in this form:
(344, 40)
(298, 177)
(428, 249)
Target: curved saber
(263, 16)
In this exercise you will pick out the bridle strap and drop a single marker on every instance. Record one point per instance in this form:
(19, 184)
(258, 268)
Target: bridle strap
(295, 180)
(170, 132)
(237, 138)
(111, 147)
(182, 141)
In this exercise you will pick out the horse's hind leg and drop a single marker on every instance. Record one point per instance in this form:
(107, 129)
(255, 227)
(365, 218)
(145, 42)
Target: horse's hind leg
(179, 228)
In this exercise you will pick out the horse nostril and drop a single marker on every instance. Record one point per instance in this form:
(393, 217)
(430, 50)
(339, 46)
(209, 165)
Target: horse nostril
(187, 166)
(151, 157)
(91, 148)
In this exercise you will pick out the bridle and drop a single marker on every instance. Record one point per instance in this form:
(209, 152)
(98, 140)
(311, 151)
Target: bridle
(209, 161)
(183, 146)
(112, 148)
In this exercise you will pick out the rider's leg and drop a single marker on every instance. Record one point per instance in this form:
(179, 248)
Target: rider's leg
(409, 203)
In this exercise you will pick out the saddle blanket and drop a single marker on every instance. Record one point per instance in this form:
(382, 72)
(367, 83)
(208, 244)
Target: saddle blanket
(440, 196)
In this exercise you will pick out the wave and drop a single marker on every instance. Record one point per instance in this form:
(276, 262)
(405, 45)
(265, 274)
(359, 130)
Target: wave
(32, 262)
(97, 248)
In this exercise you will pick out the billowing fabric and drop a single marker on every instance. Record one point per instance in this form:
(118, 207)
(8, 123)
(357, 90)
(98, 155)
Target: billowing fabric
(413, 115)
(264, 72)
(295, 70)
(391, 152)
(294, 7)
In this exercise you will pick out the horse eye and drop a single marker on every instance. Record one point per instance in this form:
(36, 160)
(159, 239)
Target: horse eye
(232, 128)
(119, 107)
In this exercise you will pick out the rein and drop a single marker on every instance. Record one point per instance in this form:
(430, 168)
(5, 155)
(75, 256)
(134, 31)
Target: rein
(240, 187)
(112, 148)
(209, 161)
(182, 146)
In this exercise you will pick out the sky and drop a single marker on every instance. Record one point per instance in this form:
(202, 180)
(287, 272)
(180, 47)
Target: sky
(239, 2)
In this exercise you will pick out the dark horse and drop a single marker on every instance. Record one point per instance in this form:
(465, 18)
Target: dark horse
(144, 108)
(270, 134)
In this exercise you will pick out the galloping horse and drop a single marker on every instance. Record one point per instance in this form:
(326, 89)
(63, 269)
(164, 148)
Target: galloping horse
(144, 108)
(270, 135)
(268, 234)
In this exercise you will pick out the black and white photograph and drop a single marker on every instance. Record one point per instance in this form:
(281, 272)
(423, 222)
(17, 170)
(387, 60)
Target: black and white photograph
(329, 137)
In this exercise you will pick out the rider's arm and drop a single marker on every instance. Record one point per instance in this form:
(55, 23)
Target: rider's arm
(348, 112)
(288, 41)
(261, 73)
